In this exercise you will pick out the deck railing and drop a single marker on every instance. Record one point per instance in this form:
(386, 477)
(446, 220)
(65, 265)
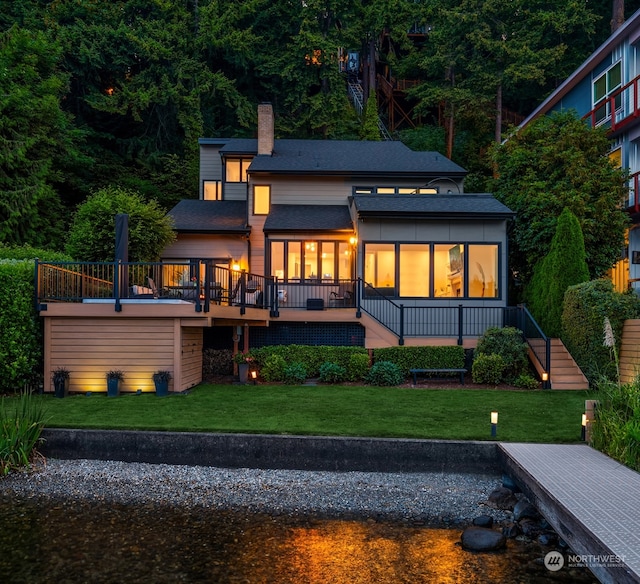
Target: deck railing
(204, 284)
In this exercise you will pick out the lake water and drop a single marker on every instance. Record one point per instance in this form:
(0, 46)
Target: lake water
(79, 542)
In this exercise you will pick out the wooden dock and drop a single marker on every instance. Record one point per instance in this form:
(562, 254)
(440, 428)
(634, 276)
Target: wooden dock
(591, 501)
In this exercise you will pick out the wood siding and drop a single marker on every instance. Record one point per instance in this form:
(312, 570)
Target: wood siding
(630, 351)
(204, 246)
(89, 348)
(210, 165)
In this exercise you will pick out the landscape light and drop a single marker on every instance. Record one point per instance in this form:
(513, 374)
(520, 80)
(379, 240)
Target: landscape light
(494, 424)
(583, 431)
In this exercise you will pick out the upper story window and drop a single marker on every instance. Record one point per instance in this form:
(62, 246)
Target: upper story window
(236, 169)
(212, 190)
(396, 190)
(603, 86)
(261, 199)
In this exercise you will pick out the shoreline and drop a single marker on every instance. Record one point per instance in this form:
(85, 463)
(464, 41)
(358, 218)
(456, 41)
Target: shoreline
(435, 499)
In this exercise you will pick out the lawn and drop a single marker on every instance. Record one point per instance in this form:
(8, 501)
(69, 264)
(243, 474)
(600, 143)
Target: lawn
(452, 414)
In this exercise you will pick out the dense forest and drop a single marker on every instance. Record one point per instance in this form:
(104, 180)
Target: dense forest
(99, 93)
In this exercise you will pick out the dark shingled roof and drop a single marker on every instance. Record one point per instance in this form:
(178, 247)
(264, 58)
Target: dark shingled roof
(464, 206)
(308, 218)
(345, 157)
(196, 216)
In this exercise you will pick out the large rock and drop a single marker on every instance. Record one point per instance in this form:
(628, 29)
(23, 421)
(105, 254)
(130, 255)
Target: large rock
(502, 498)
(483, 521)
(525, 510)
(481, 539)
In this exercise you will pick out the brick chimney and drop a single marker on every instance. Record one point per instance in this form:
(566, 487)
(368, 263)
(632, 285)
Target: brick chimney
(265, 129)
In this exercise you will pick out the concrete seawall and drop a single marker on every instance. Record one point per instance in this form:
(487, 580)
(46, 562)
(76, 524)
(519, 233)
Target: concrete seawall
(274, 451)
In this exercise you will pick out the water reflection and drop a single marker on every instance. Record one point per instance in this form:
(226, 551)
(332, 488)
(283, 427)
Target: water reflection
(73, 542)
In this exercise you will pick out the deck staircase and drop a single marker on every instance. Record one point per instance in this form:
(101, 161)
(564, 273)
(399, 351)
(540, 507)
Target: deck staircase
(565, 373)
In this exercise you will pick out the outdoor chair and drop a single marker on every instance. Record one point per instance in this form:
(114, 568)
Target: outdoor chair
(342, 297)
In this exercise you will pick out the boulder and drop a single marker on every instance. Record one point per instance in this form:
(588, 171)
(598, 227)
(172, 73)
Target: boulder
(483, 521)
(502, 498)
(482, 539)
(530, 528)
(524, 510)
(511, 530)
(509, 483)
(547, 539)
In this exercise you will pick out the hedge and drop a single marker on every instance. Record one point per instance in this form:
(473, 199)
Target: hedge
(431, 357)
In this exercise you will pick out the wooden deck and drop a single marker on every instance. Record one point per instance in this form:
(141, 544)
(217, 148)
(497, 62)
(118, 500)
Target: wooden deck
(589, 499)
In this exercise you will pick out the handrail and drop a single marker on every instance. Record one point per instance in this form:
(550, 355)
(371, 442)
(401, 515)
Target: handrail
(540, 344)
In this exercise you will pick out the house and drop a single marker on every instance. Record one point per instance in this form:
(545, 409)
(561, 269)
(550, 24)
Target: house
(290, 241)
(604, 91)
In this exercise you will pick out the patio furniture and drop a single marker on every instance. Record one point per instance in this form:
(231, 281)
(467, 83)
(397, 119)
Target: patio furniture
(343, 297)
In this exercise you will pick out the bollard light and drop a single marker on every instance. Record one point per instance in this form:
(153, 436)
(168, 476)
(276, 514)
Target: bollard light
(494, 424)
(254, 376)
(583, 431)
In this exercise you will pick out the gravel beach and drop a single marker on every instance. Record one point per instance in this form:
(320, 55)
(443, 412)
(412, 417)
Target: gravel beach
(420, 498)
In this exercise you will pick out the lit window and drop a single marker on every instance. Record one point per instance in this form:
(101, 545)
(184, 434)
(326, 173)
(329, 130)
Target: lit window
(483, 271)
(414, 270)
(236, 169)
(212, 190)
(448, 270)
(277, 259)
(261, 199)
(295, 261)
(379, 264)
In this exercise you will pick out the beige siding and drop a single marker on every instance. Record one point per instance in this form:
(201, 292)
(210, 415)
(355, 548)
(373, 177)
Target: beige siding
(204, 246)
(630, 351)
(191, 357)
(90, 347)
(234, 192)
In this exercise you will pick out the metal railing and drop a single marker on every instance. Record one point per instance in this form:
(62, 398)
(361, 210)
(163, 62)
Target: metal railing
(539, 343)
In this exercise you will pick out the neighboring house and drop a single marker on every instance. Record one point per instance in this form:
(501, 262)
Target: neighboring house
(604, 90)
(291, 241)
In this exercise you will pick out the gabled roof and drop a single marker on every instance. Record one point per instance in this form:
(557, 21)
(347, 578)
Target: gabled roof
(466, 206)
(344, 157)
(303, 218)
(197, 216)
(627, 28)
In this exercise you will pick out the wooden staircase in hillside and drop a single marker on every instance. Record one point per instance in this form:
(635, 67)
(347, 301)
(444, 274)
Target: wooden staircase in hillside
(565, 373)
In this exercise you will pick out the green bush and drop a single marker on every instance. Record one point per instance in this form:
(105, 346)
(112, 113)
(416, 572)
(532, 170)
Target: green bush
(509, 343)
(332, 373)
(526, 381)
(358, 367)
(385, 373)
(406, 358)
(488, 368)
(273, 368)
(616, 430)
(584, 310)
(295, 374)
(217, 362)
(21, 424)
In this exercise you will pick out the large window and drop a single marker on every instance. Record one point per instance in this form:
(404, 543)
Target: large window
(212, 190)
(603, 87)
(438, 270)
(236, 169)
(261, 199)
(296, 261)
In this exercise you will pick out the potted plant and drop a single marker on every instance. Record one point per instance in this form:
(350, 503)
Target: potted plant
(60, 378)
(114, 380)
(243, 360)
(161, 380)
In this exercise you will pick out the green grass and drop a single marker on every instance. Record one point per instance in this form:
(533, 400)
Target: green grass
(461, 414)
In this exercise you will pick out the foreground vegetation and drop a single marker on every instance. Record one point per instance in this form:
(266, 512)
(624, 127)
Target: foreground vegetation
(461, 414)
(22, 419)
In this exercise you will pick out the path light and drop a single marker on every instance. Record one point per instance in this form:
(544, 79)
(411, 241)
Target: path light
(583, 432)
(254, 376)
(494, 424)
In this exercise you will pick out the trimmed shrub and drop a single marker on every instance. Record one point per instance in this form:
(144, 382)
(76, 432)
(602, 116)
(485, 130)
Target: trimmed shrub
(295, 374)
(510, 345)
(332, 373)
(273, 368)
(217, 362)
(358, 367)
(488, 368)
(584, 310)
(385, 373)
(526, 381)
(406, 358)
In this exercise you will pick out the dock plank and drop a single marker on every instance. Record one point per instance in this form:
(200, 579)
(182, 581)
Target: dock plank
(590, 499)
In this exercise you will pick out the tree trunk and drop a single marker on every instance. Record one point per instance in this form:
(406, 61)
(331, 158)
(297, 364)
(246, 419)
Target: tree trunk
(617, 17)
(499, 114)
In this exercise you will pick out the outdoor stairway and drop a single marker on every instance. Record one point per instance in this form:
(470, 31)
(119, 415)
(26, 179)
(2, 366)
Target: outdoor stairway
(565, 373)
